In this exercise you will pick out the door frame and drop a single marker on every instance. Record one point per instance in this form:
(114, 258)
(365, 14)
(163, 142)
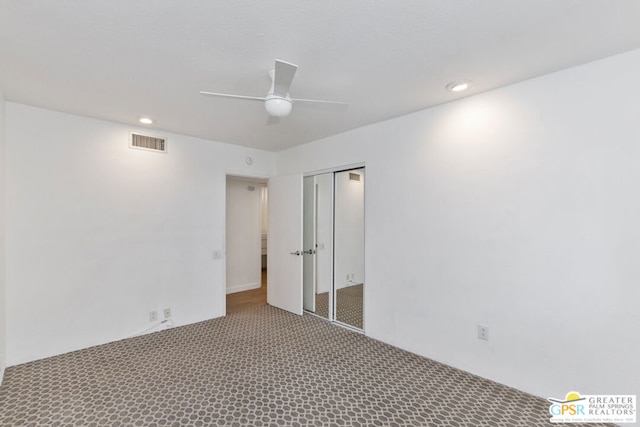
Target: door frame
(237, 174)
(335, 169)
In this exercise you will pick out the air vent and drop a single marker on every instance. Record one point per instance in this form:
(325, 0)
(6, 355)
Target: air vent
(354, 176)
(146, 142)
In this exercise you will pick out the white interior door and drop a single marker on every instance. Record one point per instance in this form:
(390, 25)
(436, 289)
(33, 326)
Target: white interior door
(284, 271)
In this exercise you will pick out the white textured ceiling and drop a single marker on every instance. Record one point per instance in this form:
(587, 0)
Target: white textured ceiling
(121, 59)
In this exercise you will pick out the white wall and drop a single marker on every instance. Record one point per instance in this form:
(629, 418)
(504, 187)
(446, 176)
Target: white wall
(98, 233)
(243, 241)
(349, 229)
(517, 208)
(3, 270)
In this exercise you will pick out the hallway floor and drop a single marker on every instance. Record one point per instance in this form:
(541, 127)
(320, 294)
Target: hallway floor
(241, 301)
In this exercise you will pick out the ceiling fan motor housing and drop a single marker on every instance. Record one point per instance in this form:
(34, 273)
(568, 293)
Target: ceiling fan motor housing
(277, 106)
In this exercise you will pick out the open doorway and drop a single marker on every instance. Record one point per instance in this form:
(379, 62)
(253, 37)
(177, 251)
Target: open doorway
(246, 243)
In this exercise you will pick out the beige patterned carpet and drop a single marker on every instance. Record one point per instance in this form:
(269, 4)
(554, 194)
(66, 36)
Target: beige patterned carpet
(260, 367)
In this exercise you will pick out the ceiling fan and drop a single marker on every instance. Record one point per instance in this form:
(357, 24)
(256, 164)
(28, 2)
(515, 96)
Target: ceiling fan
(277, 102)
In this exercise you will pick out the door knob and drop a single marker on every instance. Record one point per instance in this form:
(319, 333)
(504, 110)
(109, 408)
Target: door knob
(298, 253)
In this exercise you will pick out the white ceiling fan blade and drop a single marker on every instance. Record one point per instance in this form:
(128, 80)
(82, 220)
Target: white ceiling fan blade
(318, 101)
(226, 95)
(283, 77)
(317, 104)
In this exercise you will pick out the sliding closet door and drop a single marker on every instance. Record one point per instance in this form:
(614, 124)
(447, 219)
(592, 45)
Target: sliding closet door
(349, 247)
(318, 244)
(334, 246)
(309, 245)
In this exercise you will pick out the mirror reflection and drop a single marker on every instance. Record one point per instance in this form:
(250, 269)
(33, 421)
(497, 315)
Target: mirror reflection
(333, 241)
(318, 236)
(349, 247)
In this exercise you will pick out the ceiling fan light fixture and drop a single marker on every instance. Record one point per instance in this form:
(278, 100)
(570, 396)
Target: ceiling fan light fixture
(277, 106)
(278, 103)
(458, 86)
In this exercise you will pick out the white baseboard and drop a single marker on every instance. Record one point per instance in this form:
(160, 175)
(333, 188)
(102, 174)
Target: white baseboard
(245, 287)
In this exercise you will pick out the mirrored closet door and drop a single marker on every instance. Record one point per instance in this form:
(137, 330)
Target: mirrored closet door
(334, 246)
(349, 247)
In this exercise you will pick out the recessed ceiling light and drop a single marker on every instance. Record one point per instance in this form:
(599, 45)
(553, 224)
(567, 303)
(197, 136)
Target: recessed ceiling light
(146, 120)
(458, 86)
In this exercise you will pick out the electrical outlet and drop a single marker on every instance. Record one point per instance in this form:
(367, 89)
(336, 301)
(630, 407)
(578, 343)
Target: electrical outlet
(483, 332)
(167, 313)
(153, 316)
